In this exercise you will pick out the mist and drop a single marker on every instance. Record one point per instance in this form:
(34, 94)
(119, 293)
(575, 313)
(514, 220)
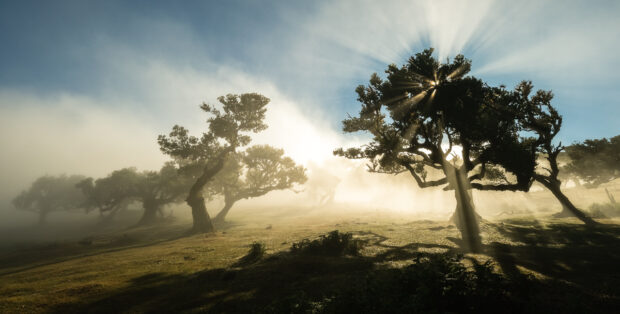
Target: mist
(318, 157)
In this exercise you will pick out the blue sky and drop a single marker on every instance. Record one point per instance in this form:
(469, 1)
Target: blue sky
(99, 80)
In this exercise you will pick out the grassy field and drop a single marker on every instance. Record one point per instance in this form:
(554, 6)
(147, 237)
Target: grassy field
(568, 267)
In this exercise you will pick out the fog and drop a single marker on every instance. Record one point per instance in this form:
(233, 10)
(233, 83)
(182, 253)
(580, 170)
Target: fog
(135, 93)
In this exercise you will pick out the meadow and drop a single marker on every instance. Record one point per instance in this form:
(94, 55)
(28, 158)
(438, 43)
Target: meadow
(541, 264)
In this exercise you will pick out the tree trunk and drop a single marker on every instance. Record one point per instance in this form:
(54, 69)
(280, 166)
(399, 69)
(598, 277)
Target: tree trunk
(151, 208)
(612, 200)
(466, 220)
(202, 221)
(566, 203)
(228, 204)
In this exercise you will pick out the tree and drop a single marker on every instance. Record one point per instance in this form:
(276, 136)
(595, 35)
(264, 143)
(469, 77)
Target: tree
(111, 194)
(422, 112)
(159, 188)
(226, 132)
(48, 194)
(538, 116)
(154, 189)
(595, 161)
(255, 172)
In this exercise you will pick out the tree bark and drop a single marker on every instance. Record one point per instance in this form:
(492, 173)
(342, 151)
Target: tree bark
(151, 208)
(567, 205)
(228, 204)
(202, 221)
(465, 215)
(612, 199)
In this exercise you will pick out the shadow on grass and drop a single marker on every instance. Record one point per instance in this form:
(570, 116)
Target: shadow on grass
(585, 256)
(581, 266)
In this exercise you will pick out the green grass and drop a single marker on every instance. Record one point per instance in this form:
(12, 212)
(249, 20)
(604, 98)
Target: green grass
(546, 265)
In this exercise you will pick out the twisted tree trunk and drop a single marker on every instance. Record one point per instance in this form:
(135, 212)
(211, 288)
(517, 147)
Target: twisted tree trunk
(567, 205)
(151, 208)
(202, 221)
(229, 201)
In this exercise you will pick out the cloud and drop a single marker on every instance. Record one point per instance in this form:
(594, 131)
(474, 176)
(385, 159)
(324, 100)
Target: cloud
(61, 132)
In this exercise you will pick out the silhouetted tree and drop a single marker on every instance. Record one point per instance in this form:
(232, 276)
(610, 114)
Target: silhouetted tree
(241, 113)
(48, 194)
(255, 172)
(111, 194)
(422, 112)
(537, 115)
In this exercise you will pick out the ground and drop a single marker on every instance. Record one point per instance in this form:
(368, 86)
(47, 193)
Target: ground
(163, 269)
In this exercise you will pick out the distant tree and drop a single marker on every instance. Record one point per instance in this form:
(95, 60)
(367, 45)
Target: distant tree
(422, 112)
(111, 194)
(48, 194)
(538, 116)
(157, 189)
(321, 185)
(566, 176)
(241, 114)
(255, 172)
(595, 161)
(154, 189)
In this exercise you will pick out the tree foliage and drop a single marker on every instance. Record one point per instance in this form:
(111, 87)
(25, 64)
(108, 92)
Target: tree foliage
(595, 161)
(153, 189)
(255, 172)
(112, 193)
(424, 110)
(48, 194)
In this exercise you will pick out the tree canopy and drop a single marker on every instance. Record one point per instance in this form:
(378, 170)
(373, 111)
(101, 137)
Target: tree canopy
(595, 161)
(154, 189)
(255, 172)
(227, 130)
(48, 194)
(111, 194)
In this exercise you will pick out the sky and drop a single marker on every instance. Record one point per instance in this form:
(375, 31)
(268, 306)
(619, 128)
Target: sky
(86, 86)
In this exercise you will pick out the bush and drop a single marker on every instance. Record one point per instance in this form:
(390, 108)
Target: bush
(256, 252)
(332, 244)
(435, 284)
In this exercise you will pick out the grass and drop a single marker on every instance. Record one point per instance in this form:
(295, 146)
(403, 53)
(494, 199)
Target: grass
(372, 262)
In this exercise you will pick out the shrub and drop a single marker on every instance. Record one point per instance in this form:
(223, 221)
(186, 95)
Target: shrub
(332, 244)
(435, 284)
(256, 252)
